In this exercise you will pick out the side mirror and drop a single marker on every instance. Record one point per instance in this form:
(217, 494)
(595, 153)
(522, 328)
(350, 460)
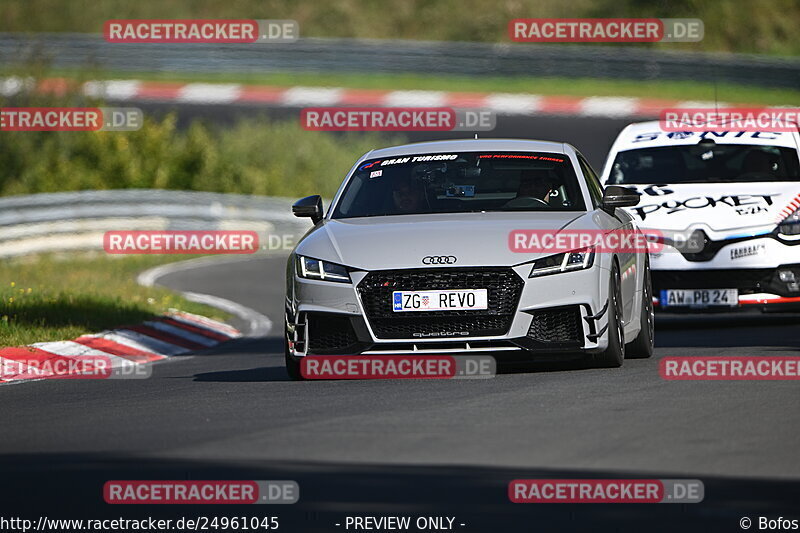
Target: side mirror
(617, 196)
(310, 206)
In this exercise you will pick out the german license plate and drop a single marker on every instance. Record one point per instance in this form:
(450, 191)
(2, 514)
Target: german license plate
(699, 297)
(440, 300)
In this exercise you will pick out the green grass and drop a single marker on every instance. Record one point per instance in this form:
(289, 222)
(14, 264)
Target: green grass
(682, 90)
(254, 156)
(764, 26)
(62, 296)
(258, 155)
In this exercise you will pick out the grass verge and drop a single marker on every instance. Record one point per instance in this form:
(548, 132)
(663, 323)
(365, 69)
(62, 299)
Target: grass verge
(53, 297)
(254, 156)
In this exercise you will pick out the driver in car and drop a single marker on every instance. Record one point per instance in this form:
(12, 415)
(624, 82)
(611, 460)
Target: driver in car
(408, 196)
(535, 187)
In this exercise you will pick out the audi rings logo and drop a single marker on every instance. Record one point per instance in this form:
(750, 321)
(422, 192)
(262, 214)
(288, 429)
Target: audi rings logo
(439, 260)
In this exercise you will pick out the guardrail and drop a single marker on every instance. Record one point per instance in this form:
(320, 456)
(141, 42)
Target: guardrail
(394, 56)
(77, 220)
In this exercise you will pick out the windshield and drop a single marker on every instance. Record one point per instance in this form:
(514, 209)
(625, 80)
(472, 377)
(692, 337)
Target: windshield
(461, 183)
(705, 163)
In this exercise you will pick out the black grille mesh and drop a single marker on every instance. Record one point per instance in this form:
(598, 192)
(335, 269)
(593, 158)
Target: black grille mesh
(503, 285)
(556, 325)
(328, 334)
(746, 280)
(442, 326)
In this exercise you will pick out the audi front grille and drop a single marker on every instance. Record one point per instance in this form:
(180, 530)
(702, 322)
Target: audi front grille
(503, 286)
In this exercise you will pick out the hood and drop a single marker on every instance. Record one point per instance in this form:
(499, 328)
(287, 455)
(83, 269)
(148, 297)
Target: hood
(722, 208)
(387, 242)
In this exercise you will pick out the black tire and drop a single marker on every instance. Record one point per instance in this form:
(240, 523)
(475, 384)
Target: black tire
(292, 363)
(642, 346)
(614, 355)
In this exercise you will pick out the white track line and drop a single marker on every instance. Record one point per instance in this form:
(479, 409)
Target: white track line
(204, 323)
(514, 104)
(112, 89)
(258, 323)
(601, 106)
(312, 96)
(210, 93)
(416, 99)
(182, 333)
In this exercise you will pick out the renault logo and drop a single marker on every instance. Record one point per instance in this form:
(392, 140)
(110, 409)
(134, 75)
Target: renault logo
(439, 260)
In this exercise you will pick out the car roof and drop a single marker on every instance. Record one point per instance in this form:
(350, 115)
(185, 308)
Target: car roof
(650, 134)
(470, 145)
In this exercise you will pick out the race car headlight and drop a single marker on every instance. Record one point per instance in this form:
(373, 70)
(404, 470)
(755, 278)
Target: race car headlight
(791, 224)
(566, 262)
(322, 270)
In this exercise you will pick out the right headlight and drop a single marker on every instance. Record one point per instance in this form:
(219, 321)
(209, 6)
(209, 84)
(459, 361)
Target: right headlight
(322, 270)
(790, 225)
(566, 262)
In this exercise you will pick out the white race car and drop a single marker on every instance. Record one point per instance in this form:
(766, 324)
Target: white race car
(727, 205)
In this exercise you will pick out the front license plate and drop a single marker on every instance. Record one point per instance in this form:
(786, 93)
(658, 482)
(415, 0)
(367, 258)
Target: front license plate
(699, 297)
(455, 300)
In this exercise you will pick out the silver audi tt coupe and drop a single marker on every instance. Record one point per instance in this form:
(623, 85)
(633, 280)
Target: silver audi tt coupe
(419, 253)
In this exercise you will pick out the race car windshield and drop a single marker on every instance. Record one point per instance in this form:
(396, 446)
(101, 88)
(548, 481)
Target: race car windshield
(705, 163)
(461, 183)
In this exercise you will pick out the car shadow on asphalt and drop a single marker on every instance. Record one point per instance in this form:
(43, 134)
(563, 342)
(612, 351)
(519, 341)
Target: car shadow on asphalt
(278, 373)
(248, 375)
(271, 348)
(573, 363)
(478, 495)
(245, 346)
(728, 331)
(724, 320)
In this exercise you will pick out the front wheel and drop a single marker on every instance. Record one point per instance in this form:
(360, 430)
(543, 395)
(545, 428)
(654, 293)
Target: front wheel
(614, 355)
(642, 345)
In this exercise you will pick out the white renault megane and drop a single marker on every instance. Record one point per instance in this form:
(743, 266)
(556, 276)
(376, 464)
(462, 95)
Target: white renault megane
(728, 206)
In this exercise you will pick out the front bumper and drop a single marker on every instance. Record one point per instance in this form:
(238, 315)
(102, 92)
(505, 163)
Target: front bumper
(558, 314)
(752, 266)
(756, 286)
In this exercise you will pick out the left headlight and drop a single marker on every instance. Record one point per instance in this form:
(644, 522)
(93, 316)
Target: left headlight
(322, 270)
(566, 262)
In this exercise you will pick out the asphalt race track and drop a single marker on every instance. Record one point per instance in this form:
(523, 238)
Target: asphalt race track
(422, 447)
